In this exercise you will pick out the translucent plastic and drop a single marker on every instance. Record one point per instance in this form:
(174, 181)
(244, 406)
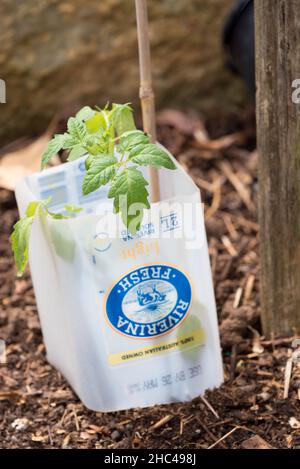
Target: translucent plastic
(129, 321)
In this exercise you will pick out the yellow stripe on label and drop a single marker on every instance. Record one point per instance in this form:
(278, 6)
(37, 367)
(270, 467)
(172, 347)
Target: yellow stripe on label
(181, 343)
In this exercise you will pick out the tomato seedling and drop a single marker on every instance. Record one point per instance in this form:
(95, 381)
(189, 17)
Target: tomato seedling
(115, 150)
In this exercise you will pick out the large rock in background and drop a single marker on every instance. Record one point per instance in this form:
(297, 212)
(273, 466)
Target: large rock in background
(57, 53)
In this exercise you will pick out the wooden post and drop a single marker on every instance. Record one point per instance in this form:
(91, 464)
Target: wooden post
(277, 24)
(146, 90)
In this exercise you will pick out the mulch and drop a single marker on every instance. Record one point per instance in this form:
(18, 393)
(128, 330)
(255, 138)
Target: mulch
(39, 410)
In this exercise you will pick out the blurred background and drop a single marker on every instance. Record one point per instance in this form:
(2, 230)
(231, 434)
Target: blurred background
(57, 55)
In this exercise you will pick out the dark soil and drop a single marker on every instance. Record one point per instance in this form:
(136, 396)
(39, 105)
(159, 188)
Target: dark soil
(39, 410)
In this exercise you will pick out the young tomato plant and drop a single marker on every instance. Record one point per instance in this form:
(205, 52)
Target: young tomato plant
(115, 150)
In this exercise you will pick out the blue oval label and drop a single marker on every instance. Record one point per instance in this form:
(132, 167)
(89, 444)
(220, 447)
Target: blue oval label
(149, 301)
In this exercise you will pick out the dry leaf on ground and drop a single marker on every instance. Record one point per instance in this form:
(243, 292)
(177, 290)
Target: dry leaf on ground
(18, 164)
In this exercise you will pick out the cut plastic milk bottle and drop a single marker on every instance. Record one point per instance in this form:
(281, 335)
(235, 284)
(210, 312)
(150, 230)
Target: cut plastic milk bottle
(130, 321)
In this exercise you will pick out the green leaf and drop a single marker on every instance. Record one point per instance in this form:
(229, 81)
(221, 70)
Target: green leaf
(85, 114)
(151, 155)
(53, 147)
(32, 207)
(76, 129)
(130, 196)
(97, 149)
(99, 173)
(130, 140)
(96, 123)
(57, 216)
(20, 242)
(122, 118)
(21, 231)
(88, 161)
(99, 134)
(72, 208)
(69, 141)
(76, 153)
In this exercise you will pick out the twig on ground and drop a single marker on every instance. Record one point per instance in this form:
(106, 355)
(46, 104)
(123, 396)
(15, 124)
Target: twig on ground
(237, 298)
(209, 406)
(223, 438)
(249, 287)
(207, 430)
(161, 422)
(287, 377)
(216, 199)
(229, 246)
(237, 184)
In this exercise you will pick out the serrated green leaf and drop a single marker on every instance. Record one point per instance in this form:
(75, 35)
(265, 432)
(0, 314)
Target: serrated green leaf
(76, 129)
(151, 155)
(94, 132)
(99, 173)
(76, 153)
(132, 139)
(130, 196)
(20, 242)
(69, 141)
(88, 161)
(85, 114)
(122, 118)
(53, 147)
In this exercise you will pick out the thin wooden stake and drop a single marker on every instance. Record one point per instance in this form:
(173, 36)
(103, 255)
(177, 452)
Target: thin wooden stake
(146, 90)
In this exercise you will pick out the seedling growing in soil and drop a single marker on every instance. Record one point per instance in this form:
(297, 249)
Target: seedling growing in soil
(115, 150)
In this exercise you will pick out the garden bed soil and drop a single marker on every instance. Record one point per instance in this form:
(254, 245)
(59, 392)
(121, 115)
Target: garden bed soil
(39, 410)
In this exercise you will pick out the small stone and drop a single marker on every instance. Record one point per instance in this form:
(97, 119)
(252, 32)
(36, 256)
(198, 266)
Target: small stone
(255, 442)
(20, 424)
(294, 423)
(264, 396)
(116, 435)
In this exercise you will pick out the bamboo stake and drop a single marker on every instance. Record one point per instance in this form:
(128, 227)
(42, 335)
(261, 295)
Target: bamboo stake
(146, 90)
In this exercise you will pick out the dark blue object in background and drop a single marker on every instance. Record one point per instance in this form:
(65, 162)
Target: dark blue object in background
(238, 39)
